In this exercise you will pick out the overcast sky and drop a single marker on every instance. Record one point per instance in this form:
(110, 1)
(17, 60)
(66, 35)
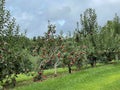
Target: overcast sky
(33, 15)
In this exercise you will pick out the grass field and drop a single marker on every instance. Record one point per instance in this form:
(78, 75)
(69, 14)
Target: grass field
(100, 78)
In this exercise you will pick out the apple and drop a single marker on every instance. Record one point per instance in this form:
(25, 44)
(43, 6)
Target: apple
(0, 56)
(59, 55)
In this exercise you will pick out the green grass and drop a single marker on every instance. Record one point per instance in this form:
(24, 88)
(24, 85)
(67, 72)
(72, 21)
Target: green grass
(23, 77)
(59, 70)
(100, 78)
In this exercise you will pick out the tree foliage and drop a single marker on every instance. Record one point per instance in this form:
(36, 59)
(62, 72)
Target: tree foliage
(12, 60)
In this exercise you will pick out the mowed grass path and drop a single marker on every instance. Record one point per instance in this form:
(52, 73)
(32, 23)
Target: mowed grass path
(99, 78)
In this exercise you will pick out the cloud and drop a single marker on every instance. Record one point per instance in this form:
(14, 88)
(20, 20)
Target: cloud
(34, 14)
(24, 17)
(100, 2)
(57, 13)
(61, 22)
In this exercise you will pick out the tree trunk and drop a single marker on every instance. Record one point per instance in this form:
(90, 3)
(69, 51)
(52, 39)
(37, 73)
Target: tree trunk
(55, 70)
(79, 64)
(116, 57)
(69, 68)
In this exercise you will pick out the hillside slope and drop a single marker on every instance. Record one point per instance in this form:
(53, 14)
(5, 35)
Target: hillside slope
(100, 78)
